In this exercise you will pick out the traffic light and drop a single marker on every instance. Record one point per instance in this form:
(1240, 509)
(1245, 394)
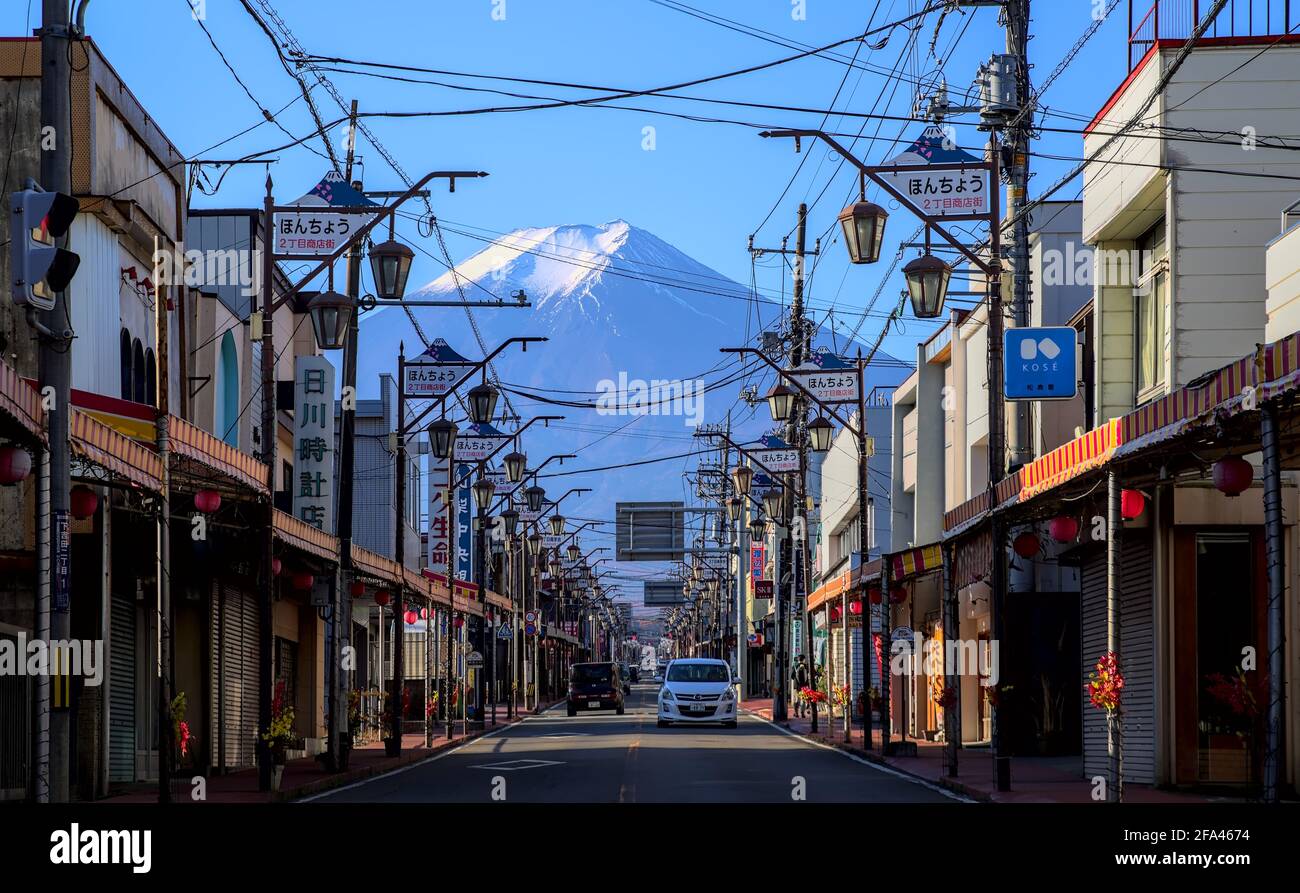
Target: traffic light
(38, 269)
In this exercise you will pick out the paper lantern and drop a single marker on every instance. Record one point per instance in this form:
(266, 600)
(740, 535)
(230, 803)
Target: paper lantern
(381, 597)
(275, 567)
(82, 502)
(897, 595)
(410, 617)
(357, 589)
(1233, 475)
(15, 464)
(302, 580)
(855, 607)
(424, 613)
(835, 615)
(1063, 528)
(1026, 545)
(1131, 504)
(207, 501)
(873, 595)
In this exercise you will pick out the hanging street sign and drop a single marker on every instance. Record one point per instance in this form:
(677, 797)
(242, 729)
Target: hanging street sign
(476, 442)
(1040, 363)
(831, 379)
(317, 230)
(439, 481)
(762, 589)
(951, 190)
(435, 372)
(313, 442)
(776, 455)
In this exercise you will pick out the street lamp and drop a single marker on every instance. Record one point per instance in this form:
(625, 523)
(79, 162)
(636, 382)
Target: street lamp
(515, 463)
(557, 525)
(742, 476)
(820, 432)
(734, 505)
(482, 403)
(442, 437)
(390, 264)
(772, 502)
(331, 314)
(574, 552)
(510, 518)
(927, 284)
(535, 542)
(534, 496)
(863, 223)
(484, 490)
(779, 400)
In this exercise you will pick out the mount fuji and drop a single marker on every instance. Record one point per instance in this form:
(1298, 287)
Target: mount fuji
(618, 305)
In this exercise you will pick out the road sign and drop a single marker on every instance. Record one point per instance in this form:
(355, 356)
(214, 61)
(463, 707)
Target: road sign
(435, 371)
(776, 455)
(950, 191)
(530, 617)
(475, 660)
(530, 629)
(901, 640)
(478, 441)
(831, 379)
(504, 632)
(1040, 363)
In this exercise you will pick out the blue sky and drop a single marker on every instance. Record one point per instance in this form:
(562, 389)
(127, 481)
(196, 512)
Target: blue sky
(704, 187)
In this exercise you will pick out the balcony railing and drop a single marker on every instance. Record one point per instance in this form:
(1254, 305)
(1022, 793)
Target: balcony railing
(1177, 19)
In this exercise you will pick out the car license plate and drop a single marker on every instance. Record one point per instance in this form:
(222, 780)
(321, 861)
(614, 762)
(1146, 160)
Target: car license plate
(698, 708)
(593, 704)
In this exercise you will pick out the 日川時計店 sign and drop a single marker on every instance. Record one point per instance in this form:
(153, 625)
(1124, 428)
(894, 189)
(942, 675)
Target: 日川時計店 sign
(313, 442)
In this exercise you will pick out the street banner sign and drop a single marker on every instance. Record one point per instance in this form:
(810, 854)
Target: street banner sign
(757, 559)
(478, 441)
(318, 230)
(313, 442)
(464, 525)
(435, 372)
(776, 455)
(438, 483)
(1040, 363)
(502, 483)
(762, 589)
(945, 192)
(831, 379)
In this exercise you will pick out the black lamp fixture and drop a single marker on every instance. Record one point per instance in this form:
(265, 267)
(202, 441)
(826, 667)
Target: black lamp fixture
(515, 463)
(742, 476)
(482, 403)
(484, 491)
(574, 552)
(772, 502)
(331, 314)
(734, 505)
(863, 224)
(779, 400)
(534, 496)
(442, 438)
(535, 543)
(927, 285)
(390, 264)
(510, 518)
(820, 432)
(557, 525)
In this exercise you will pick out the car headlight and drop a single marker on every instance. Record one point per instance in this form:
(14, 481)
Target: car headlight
(665, 694)
(729, 694)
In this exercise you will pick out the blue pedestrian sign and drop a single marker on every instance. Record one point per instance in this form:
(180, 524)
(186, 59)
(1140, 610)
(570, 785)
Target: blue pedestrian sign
(1040, 363)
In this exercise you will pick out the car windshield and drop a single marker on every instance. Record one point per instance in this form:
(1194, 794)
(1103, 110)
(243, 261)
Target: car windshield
(589, 673)
(699, 673)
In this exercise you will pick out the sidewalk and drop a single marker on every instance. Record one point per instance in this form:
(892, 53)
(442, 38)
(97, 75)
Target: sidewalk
(1033, 779)
(304, 777)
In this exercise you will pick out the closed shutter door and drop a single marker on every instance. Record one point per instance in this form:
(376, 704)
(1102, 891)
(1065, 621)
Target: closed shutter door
(1137, 660)
(235, 677)
(121, 703)
(15, 708)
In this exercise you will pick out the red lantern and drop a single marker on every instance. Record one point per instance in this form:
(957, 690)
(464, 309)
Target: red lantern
(1131, 504)
(1233, 475)
(1026, 545)
(410, 617)
(855, 607)
(302, 580)
(83, 501)
(1063, 528)
(897, 595)
(458, 622)
(873, 595)
(357, 589)
(15, 464)
(207, 501)
(381, 597)
(835, 615)
(424, 613)
(275, 567)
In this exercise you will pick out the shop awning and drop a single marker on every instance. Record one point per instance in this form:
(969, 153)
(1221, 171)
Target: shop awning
(101, 445)
(374, 565)
(20, 402)
(915, 562)
(301, 535)
(194, 443)
(497, 600)
(972, 556)
(1092, 450)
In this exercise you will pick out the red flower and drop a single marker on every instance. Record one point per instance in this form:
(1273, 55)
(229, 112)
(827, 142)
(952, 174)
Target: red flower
(1106, 683)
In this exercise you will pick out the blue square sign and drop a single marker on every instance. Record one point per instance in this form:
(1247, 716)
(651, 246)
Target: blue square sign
(1040, 363)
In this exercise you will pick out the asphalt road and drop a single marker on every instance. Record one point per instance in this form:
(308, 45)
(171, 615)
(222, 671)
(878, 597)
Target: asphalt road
(605, 758)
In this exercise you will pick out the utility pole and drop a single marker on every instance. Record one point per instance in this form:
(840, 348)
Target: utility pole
(56, 363)
(1016, 21)
(165, 638)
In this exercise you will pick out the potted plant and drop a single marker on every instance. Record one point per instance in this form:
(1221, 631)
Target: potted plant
(279, 735)
(186, 743)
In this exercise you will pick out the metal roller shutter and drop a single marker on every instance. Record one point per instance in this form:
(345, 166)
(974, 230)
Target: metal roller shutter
(235, 677)
(1137, 659)
(121, 681)
(15, 708)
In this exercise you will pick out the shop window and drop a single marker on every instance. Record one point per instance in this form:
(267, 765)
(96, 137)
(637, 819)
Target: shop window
(1149, 312)
(150, 378)
(227, 412)
(126, 393)
(137, 372)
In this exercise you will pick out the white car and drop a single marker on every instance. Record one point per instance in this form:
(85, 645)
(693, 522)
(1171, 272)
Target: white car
(698, 690)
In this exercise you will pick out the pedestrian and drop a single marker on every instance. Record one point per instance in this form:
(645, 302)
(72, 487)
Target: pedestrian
(799, 678)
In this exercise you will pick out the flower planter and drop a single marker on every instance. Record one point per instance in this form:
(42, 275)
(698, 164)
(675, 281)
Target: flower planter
(1227, 760)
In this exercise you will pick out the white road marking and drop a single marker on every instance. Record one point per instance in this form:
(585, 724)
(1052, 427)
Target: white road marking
(888, 770)
(516, 765)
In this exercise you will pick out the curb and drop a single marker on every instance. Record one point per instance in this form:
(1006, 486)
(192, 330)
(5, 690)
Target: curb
(871, 756)
(408, 758)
